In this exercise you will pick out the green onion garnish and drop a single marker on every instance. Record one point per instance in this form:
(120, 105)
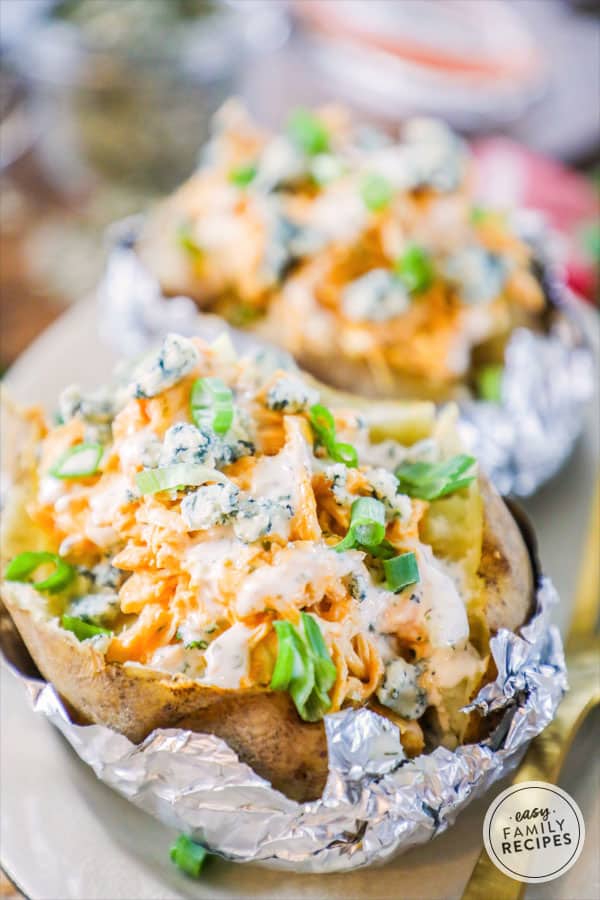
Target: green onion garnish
(176, 477)
(186, 241)
(415, 269)
(478, 214)
(376, 192)
(308, 132)
(211, 402)
(367, 525)
(489, 382)
(82, 629)
(429, 481)
(304, 667)
(243, 175)
(323, 425)
(26, 563)
(188, 855)
(79, 461)
(401, 571)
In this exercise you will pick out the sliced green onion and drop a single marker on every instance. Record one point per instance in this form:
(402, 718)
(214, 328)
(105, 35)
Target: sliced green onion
(211, 401)
(304, 667)
(176, 477)
(367, 525)
(81, 629)
(26, 563)
(325, 670)
(196, 645)
(376, 192)
(489, 383)
(478, 214)
(186, 241)
(429, 481)
(243, 175)
(308, 132)
(401, 571)
(188, 855)
(415, 269)
(79, 461)
(323, 425)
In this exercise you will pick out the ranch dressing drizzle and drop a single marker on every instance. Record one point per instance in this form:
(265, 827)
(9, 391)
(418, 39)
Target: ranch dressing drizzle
(228, 657)
(285, 583)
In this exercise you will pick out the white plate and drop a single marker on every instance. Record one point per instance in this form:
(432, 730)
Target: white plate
(66, 835)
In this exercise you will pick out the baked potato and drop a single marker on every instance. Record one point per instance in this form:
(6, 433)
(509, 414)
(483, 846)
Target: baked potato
(367, 259)
(207, 545)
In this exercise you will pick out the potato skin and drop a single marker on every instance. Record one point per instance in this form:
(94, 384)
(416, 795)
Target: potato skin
(262, 727)
(505, 566)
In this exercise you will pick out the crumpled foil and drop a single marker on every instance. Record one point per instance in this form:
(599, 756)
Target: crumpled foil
(376, 802)
(520, 442)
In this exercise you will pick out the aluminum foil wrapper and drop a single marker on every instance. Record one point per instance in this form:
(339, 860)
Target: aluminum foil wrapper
(520, 442)
(376, 802)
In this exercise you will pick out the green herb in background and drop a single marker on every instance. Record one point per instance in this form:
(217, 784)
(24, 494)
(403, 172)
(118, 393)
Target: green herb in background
(415, 269)
(242, 176)
(188, 855)
(488, 382)
(376, 192)
(308, 132)
(186, 241)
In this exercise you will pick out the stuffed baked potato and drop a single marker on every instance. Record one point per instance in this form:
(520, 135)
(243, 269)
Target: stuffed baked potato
(205, 545)
(367, 259)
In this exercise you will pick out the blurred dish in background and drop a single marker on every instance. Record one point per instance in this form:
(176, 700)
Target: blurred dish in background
(475, 64)
(126, 88)
(509, 175)
(372, 263)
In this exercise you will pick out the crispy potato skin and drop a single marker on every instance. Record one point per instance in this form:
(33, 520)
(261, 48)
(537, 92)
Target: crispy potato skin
(505, 565)
(262, 727)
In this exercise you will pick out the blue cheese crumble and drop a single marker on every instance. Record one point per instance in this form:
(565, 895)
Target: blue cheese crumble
(184, 443)
(291, 395)
(260, 518)
(376, 297)
(385, 488)
(211, 504)
(161, 370)
(400, 690)
(97, 407)
(96, 609)
(479, 274)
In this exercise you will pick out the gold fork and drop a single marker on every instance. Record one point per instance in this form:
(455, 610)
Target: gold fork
(548, 751)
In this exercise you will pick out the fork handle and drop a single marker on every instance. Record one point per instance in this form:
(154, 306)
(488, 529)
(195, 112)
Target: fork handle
(542, 762)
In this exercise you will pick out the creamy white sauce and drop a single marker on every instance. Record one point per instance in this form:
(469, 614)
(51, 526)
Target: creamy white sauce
(228, 657)
(50, 490)
(447, 667)
(208, 563)
(286, 581)
(441, 604)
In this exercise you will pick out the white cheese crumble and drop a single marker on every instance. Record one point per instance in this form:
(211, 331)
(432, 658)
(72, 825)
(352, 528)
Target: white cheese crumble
(291, 395)
(211, 504)
(400, 690)
(184, 443)
(479, 274)
(376, 297)
(161, 370)
(259, 518)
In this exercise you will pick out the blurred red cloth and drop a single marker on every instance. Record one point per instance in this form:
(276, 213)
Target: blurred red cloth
(509, 175)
